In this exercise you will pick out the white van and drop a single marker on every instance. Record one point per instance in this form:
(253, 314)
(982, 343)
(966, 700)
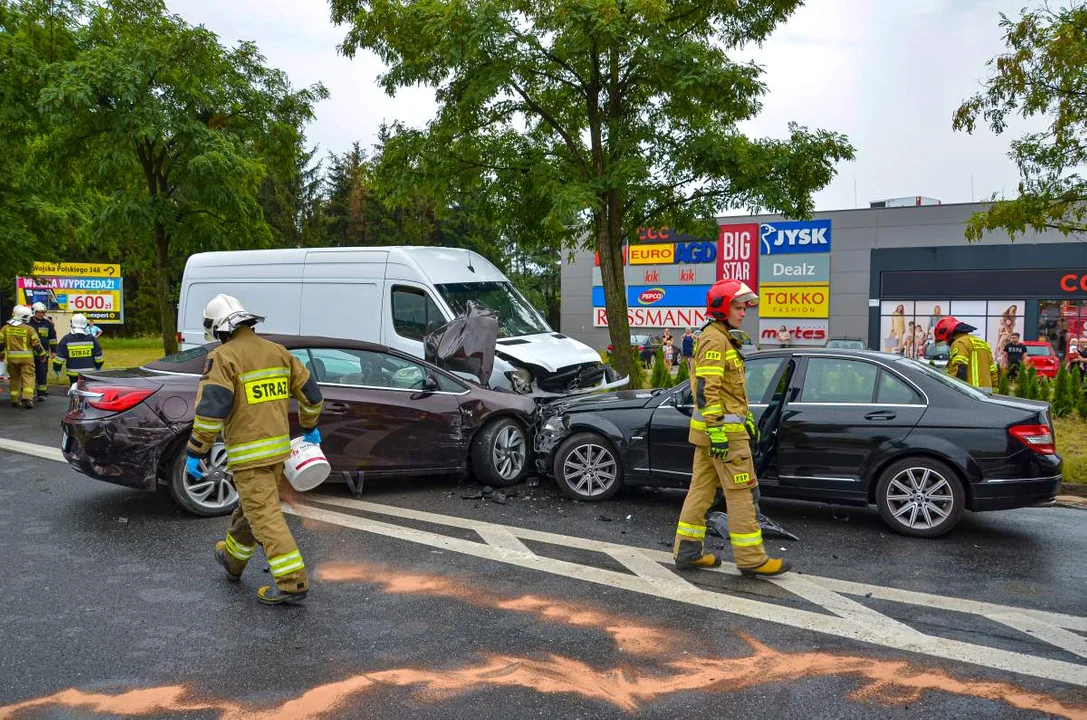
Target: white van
(393, 296)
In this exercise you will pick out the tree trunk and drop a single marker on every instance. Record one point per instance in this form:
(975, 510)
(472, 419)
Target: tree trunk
(167, 310)
(610, 247)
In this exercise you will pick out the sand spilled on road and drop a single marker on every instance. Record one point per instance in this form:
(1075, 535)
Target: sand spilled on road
(663, 664)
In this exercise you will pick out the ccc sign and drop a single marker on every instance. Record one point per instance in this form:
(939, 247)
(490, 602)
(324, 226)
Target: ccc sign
(1071, 283)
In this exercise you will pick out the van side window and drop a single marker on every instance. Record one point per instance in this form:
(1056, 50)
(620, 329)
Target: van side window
(414, 313)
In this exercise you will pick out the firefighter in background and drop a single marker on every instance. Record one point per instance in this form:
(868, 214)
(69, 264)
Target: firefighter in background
(21, 348)
(79, 350)
(722, 428)
(47, 333)
(971, 357)
(245, 395)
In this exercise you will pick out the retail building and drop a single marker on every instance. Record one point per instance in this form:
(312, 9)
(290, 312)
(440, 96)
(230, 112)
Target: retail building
(880, 274)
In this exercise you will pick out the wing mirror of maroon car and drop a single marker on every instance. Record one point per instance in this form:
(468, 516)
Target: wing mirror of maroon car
(431, 383)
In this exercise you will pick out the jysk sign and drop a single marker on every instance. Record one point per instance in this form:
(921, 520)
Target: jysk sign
(787, 238)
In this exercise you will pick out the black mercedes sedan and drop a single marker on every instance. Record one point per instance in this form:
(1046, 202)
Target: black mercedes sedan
(837, 426)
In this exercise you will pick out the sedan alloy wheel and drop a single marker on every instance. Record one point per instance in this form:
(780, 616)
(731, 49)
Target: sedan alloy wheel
(214, 494)
(587, 468)
(920, 497)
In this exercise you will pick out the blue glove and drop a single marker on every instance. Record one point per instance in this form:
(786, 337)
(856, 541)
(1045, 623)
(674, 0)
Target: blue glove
(192, 467)
(312, 436)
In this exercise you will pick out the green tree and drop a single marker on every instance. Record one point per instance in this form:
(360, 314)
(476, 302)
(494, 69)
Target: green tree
(179, 130)
(1063, 400)
(1003, 383)
(1027, 387)
(577, 123)
(661, 377)
(684, 372)
(1042, 74)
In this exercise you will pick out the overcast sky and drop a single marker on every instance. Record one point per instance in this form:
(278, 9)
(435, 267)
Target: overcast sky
(888, 73)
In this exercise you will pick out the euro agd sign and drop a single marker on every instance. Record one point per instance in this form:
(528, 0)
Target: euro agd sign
(794, 301)
(93, 289)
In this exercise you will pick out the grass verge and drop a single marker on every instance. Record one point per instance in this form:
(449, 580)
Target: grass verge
(1072, 447)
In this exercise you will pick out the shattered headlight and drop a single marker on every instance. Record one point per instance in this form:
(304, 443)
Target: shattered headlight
(520, 380)
(556, 424)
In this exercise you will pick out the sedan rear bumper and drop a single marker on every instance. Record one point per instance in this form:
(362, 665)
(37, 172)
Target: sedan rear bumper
(123, 453)
(1008, 494)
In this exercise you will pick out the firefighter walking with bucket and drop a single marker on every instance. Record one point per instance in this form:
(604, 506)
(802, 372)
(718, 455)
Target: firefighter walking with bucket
(245, 394)
(721, 430)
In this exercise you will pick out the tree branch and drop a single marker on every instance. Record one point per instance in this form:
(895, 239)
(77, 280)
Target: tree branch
(554, 123)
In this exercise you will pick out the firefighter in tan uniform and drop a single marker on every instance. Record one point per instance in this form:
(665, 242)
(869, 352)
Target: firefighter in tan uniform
(20, 346)
(971, 358)
(245, 395)
(721, 430)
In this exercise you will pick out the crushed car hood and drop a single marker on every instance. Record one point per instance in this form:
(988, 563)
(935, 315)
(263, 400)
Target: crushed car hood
(466, 343)
(622, 400)
(547, 351)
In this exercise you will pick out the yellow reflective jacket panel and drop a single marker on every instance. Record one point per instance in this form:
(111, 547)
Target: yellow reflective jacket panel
(20, 344)
(718, 385)
(976, 356)
(245, 394)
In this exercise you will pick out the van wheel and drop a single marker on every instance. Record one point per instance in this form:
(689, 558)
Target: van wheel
(500, 453)
(211, 495)
(588, 468)
(920, 497)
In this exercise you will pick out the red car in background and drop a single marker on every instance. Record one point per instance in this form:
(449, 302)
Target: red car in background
(1043, 357)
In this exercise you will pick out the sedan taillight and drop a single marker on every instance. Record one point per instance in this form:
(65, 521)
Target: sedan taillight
(1038, 438)
(115, 398)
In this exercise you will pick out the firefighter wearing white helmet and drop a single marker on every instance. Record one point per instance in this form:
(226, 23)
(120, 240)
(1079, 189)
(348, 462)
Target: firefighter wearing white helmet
(245, 394)
(79, 350)
(21, 347)
(47, 333)
(722, 428)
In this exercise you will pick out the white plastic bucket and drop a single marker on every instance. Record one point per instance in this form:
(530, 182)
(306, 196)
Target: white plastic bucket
(307, 466)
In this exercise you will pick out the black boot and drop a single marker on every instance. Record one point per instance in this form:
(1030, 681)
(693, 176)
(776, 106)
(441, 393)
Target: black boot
(28, 404)
(272, 595)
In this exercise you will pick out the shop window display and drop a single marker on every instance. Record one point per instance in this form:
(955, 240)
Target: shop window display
(1061, 320)
(907, 326)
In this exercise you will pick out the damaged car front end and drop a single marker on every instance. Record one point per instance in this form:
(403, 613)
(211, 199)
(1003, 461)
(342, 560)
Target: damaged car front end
(544, 365)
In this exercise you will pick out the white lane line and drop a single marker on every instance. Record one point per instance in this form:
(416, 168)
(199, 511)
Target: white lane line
(909, 597)
(500, 537)
(839, 605)
(647, 568)
(39, 451)
(878, 634)
(1025, 623)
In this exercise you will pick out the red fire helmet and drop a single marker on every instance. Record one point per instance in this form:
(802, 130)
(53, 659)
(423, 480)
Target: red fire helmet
(723, 293)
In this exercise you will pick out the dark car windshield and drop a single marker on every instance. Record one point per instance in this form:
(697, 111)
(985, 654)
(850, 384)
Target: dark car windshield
(945, 379)
(1039, 350)
(515, 315)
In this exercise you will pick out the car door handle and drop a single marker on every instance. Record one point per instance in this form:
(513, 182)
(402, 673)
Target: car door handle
(335, 408)
(881, 415)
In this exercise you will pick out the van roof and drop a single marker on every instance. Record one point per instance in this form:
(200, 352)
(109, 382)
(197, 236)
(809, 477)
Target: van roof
(439, 264)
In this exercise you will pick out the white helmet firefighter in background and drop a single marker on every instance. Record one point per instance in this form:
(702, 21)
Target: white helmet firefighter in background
(225, 314)
(20, 314)
(39, 307)
(80, 325)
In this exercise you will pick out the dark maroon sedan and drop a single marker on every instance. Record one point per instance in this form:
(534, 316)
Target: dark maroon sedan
(385, 414)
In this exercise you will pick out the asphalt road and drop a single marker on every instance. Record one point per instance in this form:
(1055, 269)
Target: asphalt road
(428, 604)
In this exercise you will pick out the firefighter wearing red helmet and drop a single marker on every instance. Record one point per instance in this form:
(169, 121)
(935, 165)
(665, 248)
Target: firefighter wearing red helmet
(721, 430)
(971, 357)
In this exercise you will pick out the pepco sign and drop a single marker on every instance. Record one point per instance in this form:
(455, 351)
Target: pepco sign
(651, 296)
(794, 301)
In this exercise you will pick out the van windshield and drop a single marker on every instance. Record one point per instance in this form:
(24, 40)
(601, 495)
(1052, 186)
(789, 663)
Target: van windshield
(515, 315)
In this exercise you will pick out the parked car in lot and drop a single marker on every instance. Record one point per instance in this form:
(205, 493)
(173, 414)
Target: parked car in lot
(645, 345)
(1043, 357)
(844, 343)
(386, 414)
(844, 427)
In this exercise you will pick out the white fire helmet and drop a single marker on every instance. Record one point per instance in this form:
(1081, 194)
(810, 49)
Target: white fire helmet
(38, 307)
(79, 324)
(20, 314)
(225, 314)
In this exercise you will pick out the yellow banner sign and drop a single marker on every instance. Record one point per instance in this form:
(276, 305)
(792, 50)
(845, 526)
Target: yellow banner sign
(794, 301)
(658, 254)
(77, 269)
